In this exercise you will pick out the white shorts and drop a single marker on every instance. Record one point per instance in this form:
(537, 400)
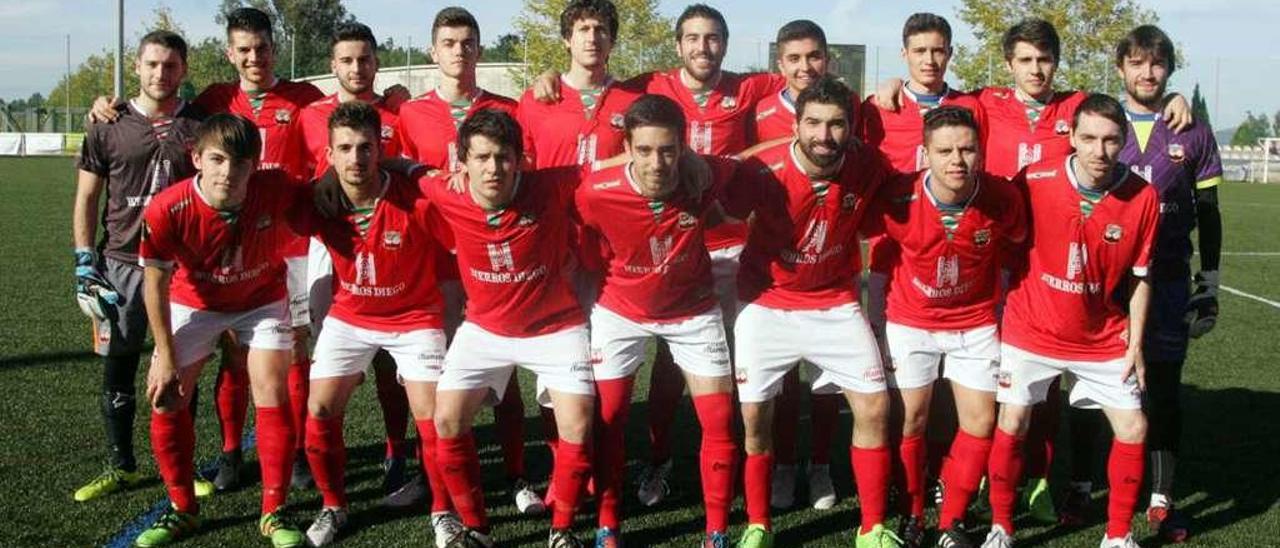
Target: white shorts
(724, 273)
(837, 341)
(344, 349)
(1025, 378)
(697, 344)
(196, 332)
(319, 282)
(973, 356)
(481, 359)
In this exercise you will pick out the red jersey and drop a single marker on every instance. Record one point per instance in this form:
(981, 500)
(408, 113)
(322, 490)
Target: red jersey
(775, 116)
(1011, 142)
(386, 276)
(803, 252)
(947, 273)
(273, 115)
(222, 262)
(428, 129)
(658, 266)
(309, 135)
(567, 133)
(1070, 300)
(513, 261)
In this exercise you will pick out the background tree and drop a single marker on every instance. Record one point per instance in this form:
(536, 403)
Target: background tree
(1199, 108)
(1251, 129)
(1089, 30)
(646, 39)
(508, 48)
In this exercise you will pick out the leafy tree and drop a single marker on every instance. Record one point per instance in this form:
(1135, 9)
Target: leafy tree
(508, 48)
(1199, 108)
(646, 39)
(1251, 129)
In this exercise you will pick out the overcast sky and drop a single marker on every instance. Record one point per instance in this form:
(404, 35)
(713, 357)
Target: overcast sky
(1233, 41)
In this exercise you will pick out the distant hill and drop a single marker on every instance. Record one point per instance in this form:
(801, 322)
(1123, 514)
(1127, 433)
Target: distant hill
(1223, 136)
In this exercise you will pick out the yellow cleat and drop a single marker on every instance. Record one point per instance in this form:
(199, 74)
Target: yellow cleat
(109, 481)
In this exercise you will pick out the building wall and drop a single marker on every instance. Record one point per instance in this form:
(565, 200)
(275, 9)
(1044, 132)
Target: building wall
(499, 78)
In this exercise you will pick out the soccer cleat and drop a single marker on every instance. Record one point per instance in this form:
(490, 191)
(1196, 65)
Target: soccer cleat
(911, 531)
(1169, 524)
(399, 488)
(281, 533)
(470, 538)
(784, 486)
(1075, 508)
(109, 481)
(203, 487)
(229, 465)
(301, 478)
(1125, 542)
(171, 527)
(445, 526)
(998, 538)
(756, 536)
(608, 538)
(953, 538)
(563, 538)
(938, 488)
(822, 492)
(1039, 501)
(715, 539)
(877, 537)
(653, 483)
(326, 526)
(527, 500)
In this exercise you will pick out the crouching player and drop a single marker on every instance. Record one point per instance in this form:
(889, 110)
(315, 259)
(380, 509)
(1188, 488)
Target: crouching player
(511, 236)
(1079, 306)
(950, 224)
(212, 253)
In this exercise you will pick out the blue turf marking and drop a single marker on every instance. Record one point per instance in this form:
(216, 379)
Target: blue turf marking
(137, 525)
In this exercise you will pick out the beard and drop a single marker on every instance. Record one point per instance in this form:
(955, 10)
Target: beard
(822, 160)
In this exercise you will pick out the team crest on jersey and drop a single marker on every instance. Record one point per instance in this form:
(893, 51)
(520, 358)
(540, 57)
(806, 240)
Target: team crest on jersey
(526, 219)
(1113, 233)
(391, 239)
(729, 103)
(616, 120)
(848, 202)
(1176, 153)
(1061, 127)
(282, 116)
(264, 222)
(388, 132)
(982, 237)
(686, 221)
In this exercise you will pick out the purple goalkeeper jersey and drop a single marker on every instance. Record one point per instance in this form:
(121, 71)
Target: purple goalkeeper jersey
(1176, 164)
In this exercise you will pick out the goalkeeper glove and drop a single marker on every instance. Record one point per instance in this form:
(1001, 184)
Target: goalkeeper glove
(1202, 308)
(93, 292)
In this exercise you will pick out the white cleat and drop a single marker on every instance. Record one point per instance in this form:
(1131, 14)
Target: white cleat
(326, 526)
(527, 500)
(445, 526)
(998, 538)
(1125, 542)
(653, 484)
(784, 486)
(822, 492)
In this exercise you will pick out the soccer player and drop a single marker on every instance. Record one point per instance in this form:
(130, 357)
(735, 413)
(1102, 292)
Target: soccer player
(374, 224)
(1185, 170)
(951, 223)
(511, 234)
(802, 60)
(132, 160)
(428, 133)
(211, 249)
(1077, 305)
(799, 286)
(649, 229)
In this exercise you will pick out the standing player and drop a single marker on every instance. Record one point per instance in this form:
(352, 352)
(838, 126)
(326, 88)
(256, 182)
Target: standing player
(211, 249)
(657, 283)
(799, 285)
(951, 224)
(511, 235)
(135, 158)
(1078, 305)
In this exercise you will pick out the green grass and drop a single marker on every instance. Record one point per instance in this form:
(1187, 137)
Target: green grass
(52, 438)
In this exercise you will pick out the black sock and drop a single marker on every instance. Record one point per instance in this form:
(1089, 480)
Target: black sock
(119, 406)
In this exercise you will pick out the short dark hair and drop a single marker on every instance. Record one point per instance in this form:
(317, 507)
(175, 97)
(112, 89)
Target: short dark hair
(828, 90)
(600, 10)
(353, 32)
(356, 115)
(1101, 104)
(1038, 33)
(454, 16)
(920, 23)
(703, 11)
(164, 39)
(1147, 40)
(236, 136)
(949, 116)
(495, 124)
(654, 111)
(250, 20)
(801, 29)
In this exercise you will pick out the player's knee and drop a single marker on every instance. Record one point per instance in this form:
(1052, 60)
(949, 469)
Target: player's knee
(449, 423)
(978, 423)
(1014, 419)
(1130, 427)
(915, 420)
(322, 409)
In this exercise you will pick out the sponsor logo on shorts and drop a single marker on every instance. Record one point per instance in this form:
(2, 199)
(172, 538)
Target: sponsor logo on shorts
(391, 239)
(1176, 153)
(686, 221)
(874, 374)
(582, 370)
(1004, 379)
(282, 329)
(982, 237)
(434, 360)
(1061, 127)
(1113, 233)
(597, 357)
(740, 376)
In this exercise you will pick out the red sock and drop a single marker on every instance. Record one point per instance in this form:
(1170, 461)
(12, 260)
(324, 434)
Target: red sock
(613, 403)
(231, 399)
(824, 413)
(572, 468)
(509, 415)
(1045, 419)
(275, 455)
(460, 467)
(911, 454)
(758, 477)
(173, 442)
(717, 457)
(962, 474)
(1004, 468)
(786, 418)
(327, 455)
(871, 468)
(299, 380)
(440, 501)
(1125, 467)
(395, 408)
(666, 387)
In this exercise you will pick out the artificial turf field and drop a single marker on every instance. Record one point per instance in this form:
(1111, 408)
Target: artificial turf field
(52, 441)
